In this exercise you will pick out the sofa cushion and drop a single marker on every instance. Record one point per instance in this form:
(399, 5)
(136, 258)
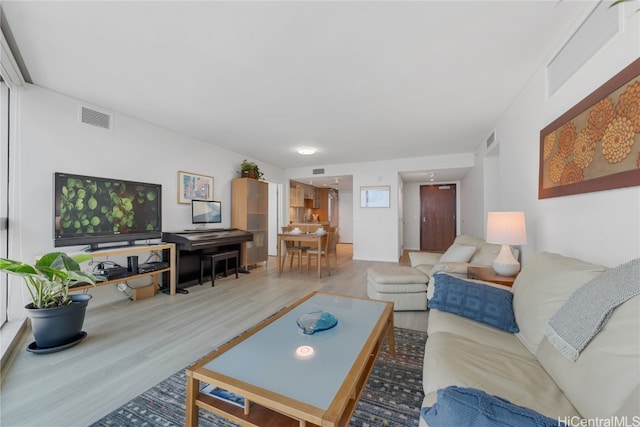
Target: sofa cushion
(401, 300)
(605, 376)
(459, 406)
(441, 321)
(424, 258)
(397, 288)
(458, 253)
(545, 283)
(475, 301)
(396, 274)
(454, 360)
(449, 268)
(584, 314)
(469, 240)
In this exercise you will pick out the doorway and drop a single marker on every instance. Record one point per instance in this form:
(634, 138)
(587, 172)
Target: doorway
(437, 217)
(275, 202)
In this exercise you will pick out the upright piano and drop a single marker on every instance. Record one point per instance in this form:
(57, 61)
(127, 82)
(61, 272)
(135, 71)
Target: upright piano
(190, 244)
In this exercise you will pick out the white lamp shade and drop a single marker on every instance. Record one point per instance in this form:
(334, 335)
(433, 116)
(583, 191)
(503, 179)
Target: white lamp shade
(506, 228)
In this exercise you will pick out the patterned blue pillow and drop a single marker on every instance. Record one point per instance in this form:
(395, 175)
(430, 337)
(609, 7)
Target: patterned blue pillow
(458, 406)
(475, 301)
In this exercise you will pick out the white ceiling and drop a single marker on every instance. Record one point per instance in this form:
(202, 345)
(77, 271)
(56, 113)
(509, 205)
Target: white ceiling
(360, 80)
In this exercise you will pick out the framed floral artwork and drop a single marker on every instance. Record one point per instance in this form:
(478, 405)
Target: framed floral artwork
(595, 145)
(192, 186)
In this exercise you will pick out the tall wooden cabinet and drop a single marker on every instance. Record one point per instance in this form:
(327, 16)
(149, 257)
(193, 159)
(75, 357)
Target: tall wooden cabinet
(250, 212)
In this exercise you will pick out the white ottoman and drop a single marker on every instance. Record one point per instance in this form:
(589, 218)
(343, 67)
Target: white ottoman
(406, 287)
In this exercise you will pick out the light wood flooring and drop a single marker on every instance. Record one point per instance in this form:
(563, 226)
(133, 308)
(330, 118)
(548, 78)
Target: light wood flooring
(132, 346)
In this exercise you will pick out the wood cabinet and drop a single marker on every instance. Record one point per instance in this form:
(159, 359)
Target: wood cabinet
(296, 193)
(303, 195)
(250, 212)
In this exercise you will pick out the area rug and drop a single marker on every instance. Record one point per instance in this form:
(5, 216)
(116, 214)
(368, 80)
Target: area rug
(392, 396)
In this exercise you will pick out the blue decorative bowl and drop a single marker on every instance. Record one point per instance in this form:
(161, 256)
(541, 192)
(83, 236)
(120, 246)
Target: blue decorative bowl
(316, 321)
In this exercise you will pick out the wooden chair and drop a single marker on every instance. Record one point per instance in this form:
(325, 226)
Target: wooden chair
(293, 249)
(331, 241)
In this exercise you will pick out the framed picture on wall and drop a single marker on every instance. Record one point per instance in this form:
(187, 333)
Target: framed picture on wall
(374, 197)
(193, 186)
(594, 146)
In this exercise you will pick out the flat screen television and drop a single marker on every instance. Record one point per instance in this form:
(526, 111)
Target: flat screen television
(206, 212)
(91, 210)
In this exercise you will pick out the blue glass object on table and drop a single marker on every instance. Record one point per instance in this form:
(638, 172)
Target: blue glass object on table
(313, 322)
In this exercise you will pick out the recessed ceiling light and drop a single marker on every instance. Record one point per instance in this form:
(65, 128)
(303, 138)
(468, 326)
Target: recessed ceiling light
(306, 151)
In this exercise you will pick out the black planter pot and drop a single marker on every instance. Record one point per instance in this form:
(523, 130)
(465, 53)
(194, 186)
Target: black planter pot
(58, 326)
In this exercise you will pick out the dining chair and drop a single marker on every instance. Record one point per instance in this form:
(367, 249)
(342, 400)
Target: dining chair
(293, 249)
(328, 249)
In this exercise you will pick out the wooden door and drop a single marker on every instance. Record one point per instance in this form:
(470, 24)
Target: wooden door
(437, 217)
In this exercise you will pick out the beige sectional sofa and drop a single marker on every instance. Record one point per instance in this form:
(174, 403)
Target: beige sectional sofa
(524, 367)
(466, 250)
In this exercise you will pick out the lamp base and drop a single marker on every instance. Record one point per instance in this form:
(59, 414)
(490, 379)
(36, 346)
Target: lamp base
(505, 264)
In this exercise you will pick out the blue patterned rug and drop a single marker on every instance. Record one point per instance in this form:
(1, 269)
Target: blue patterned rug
(392, 396)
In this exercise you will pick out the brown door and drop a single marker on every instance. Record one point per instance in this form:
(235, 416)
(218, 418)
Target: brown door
(438, 217)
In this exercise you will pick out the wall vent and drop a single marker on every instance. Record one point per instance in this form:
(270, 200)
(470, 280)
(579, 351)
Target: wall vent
(491, 139)
(597, 29)
(318, 171)
(92, 117)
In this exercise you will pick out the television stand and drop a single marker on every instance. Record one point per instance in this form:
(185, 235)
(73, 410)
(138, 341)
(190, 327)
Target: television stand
(133, 249)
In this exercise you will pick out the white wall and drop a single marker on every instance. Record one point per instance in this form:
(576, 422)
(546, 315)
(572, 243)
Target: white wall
(50, 139)
(601, 227)
(345, 208)
(376, 233)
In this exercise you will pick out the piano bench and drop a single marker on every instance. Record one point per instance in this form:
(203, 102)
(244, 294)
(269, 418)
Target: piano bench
(213, 258)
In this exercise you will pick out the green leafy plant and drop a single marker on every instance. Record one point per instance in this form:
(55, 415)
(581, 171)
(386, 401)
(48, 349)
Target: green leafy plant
(49, 279)
(617, 2)
(250, 168)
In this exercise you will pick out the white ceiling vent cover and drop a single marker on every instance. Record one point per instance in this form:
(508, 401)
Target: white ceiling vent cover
(92, 117)
(491, 140)
(600, 26)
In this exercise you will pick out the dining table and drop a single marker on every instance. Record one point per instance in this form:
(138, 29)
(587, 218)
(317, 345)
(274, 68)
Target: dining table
(306, 239)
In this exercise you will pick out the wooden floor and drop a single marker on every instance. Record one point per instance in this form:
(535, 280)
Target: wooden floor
(132, 346)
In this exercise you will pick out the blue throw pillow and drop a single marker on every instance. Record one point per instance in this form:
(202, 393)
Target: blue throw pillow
(458, 406)
(475, 301)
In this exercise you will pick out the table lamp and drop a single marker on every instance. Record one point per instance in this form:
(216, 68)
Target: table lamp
(506, 228)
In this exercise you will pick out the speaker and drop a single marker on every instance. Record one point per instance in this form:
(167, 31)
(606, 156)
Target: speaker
(132, 264)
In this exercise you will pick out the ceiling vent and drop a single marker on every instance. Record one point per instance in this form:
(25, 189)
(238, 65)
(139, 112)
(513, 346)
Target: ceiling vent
(491, 140)
(318, 171)
(600, 26)
(95, 118)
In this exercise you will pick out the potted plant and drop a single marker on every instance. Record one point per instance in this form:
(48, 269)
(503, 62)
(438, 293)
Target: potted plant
(56, 316)
(250, 170)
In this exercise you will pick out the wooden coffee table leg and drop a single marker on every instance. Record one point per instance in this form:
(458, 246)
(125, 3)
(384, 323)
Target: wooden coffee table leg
(392, 340)
(193, 388)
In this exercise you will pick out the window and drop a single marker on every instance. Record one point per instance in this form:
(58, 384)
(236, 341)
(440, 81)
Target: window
(4, 191)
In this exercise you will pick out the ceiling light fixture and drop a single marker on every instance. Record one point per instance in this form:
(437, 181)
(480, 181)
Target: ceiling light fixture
(306, 151)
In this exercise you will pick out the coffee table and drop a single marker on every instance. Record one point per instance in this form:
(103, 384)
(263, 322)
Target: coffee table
(288, 378)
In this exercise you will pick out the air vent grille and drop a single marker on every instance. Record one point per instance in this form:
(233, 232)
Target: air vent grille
(599, 27)
(491, 139)
(318, 171)
(95, 118)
